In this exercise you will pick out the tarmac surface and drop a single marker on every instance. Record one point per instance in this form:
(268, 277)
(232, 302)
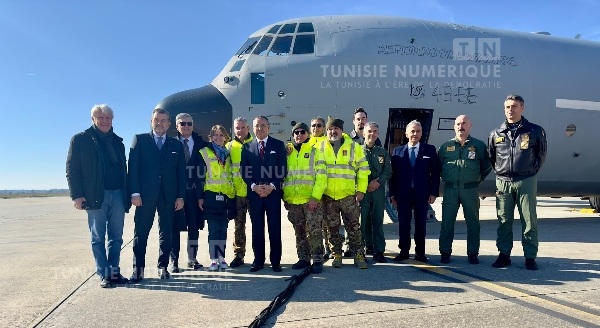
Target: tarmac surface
(48, 279)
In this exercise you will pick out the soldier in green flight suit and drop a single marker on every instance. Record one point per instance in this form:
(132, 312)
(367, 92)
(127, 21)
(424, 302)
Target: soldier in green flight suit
(465, 163)
(373, 204)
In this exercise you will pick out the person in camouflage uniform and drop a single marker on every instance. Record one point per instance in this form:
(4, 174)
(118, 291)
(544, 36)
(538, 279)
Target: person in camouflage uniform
(302, 191)
(235, 146)
(347, 180)
(373, 205)
(317, 135)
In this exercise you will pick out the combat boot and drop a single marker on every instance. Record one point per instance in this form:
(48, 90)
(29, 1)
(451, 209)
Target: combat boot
(337, 260)
(360, 262)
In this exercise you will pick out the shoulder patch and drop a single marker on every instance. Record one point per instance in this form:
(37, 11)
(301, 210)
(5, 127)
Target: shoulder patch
(380, 158)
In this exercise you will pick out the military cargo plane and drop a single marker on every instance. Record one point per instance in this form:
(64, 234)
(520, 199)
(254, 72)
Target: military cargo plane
(401, 69)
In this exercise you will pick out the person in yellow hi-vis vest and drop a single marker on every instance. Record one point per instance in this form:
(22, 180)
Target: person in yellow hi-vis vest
(216, 194)
(235, 146)
(317, 135)
(302, 191)
(347, 180)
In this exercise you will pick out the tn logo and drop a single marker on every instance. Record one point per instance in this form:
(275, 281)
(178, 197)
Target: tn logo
(476, 48)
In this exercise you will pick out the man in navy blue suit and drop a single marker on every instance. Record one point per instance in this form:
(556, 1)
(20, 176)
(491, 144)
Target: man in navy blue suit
(263, 167)
(157, 183)
(414, 186)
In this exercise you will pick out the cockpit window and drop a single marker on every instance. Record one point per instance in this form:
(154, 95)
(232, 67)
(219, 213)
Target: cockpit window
(281, 46)
(274, 29)
(305, 44)
(263, 45)
(247, 46)
(288, 28)
(237, 66)
(300, 36)
(305, 27)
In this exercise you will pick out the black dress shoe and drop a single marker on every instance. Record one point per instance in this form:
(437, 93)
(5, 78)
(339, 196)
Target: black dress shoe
(119, 280)
(256, 267)
(445, 258)
(276, 267)
(194, 264)
(163, 273)
(137, 276)
(502, 261)
(175, 266)
(473, 259)
(401, 257)
(530, 264)
(237, 261)
(379, 258)
(421, 258)
(301, 265)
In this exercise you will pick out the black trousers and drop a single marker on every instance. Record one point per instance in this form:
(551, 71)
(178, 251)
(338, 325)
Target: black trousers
(271, 205)
(143, 219)
(193, 220)
(406, 206)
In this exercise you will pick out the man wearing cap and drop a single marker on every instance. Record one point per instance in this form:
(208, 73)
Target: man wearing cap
(302, 191)
(347, 180)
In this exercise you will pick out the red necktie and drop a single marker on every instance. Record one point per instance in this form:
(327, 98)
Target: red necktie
(262, 150)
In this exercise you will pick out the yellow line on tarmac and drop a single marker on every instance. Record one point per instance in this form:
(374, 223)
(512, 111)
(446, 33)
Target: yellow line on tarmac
(512, 293)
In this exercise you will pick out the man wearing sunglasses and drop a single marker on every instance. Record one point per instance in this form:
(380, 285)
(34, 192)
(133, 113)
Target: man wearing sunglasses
(189, 219)
(317, 135)
(302, 191)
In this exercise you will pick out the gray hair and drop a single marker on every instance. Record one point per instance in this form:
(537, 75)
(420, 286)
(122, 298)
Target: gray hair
(414, 122)
(103, 108)
(161, 111)
(372, 124)
(240, 119)
(262, 117)
(181, 116)
(318, 118)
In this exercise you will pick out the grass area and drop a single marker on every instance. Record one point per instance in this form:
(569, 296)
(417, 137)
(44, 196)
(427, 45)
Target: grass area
(32, 195)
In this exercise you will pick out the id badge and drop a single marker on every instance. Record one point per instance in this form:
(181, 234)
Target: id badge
(220, 198)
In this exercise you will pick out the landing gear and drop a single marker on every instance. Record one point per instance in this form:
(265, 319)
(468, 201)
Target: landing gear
(595, 203)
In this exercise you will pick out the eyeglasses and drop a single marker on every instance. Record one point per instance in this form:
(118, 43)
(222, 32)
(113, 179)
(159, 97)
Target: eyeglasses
(186, 123)
(317, 125)
(297, 132)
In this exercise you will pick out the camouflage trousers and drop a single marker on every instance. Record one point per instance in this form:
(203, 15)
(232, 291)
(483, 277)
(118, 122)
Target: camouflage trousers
(350, 212)
(308, 229)
(239, 235)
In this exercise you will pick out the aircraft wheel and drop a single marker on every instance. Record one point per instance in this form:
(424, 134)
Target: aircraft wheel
(595, 203)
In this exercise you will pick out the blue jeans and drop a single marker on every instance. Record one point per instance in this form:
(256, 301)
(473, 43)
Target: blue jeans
(109, 219)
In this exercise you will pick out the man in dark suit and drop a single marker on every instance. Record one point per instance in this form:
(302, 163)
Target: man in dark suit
(189, 219)
(263, 168)
(414, 186)
(156, 183)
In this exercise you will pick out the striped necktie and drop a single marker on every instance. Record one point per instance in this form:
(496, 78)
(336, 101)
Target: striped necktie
(186, 150)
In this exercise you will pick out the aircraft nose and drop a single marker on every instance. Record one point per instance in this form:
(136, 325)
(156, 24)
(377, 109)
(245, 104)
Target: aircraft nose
(206, 105)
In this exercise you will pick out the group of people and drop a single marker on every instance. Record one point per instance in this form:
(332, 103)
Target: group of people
(323, 176)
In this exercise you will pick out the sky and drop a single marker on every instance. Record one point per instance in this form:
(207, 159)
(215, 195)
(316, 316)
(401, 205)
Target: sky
(59, 58)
